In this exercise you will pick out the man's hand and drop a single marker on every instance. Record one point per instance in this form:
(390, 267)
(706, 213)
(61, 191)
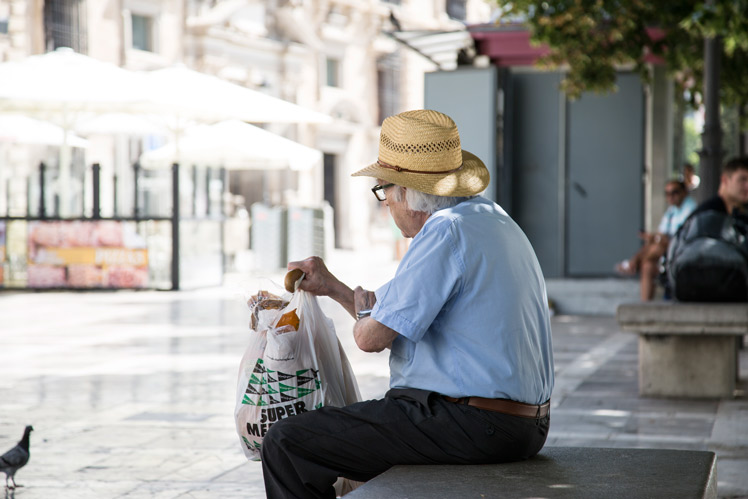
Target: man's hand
(370, 335)
(652, 237)
(363, 299)
(321, 282)
(317, 279)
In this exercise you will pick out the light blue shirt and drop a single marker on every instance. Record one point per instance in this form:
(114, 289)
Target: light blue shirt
(675, 216)
(469, 303)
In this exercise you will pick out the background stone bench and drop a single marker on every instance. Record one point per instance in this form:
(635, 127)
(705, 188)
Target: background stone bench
(686, 349)
(557, 472)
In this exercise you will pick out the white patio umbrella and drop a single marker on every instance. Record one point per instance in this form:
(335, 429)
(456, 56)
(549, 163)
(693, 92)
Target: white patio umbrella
(59, 86)
(187, 94)
(122, 124)
(63, 86)
(177, 98)
(20, 129)
(234, 145)
(64, 81)
(181, 98)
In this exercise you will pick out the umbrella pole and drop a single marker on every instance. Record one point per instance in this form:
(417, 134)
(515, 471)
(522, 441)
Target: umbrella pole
(207, 191)
(136, 189)
(175, 218)
(96, 190)
(42, 193)
(115, 200)
(5, 185)
(63, 180)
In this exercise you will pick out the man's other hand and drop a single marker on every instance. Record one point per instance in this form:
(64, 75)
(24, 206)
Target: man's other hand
(363, 299)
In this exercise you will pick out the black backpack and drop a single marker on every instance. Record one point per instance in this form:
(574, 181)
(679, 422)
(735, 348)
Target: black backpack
(707, 260)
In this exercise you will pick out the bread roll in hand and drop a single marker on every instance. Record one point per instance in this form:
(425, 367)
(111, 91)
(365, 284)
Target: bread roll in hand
(293, 278)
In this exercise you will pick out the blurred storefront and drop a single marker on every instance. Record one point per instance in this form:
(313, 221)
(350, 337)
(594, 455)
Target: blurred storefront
(159, 245)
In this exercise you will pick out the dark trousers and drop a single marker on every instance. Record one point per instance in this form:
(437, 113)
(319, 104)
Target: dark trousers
(303, 456)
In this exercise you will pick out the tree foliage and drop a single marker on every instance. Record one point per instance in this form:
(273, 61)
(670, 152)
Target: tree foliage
(592, 38)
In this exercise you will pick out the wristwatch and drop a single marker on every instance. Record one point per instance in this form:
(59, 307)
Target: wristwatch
(363, 313)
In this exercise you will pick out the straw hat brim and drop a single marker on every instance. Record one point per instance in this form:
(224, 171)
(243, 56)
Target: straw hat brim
(472, 178)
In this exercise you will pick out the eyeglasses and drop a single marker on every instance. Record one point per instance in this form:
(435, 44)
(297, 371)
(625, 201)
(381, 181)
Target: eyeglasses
(378, 191)
(671, 193)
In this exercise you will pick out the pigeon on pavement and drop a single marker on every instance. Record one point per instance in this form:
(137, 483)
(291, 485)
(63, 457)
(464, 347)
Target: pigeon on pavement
(16, 458)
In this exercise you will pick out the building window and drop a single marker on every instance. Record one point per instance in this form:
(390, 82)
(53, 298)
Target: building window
(333, 72)
(388, 85)
(65, 25)
(456, 9)
(142, 32)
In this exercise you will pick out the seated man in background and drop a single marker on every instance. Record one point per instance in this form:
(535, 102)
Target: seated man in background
(646, 260)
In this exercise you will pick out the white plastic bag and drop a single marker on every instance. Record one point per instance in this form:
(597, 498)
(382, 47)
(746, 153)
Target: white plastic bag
(285, 372)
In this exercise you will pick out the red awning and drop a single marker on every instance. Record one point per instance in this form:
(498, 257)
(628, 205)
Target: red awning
(510, 45)
(506, 46)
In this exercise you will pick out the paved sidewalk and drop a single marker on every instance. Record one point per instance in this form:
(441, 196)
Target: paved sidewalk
(131, 394)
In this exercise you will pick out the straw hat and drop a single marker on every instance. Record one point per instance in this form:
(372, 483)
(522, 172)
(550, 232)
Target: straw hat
(421, 150)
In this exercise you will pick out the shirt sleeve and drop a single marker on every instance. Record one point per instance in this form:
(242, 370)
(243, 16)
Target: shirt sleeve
(664, 221)
(429, 275)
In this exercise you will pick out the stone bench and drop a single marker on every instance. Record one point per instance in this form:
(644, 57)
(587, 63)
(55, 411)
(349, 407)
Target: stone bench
(686, 349)
(557, 472)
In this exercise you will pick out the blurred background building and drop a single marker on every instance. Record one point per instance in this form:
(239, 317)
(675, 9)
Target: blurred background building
(342, 58)
(581, 177)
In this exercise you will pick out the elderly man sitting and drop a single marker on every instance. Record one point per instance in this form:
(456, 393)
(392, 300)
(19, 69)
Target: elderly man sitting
(465, 317)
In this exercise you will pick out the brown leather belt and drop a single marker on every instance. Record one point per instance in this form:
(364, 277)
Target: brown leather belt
(504, 406)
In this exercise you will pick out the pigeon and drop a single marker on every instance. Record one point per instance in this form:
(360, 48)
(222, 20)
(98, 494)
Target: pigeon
(16, 458)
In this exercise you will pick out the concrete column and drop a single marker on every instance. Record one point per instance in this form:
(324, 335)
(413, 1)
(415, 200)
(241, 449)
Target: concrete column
(659, 155)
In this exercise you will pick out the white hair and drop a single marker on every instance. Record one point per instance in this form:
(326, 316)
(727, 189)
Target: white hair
(427, 203)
